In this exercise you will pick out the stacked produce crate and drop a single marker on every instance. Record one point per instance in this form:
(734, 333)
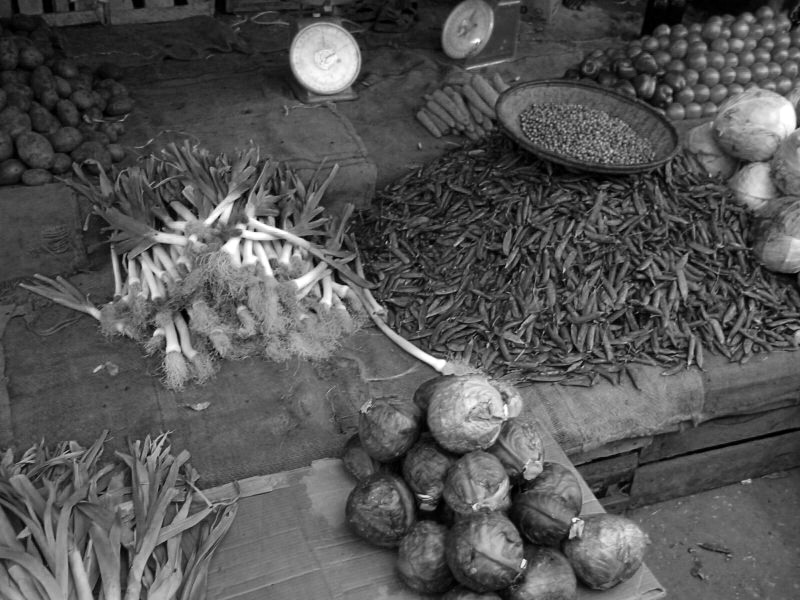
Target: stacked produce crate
(57, 12)
(61, 13)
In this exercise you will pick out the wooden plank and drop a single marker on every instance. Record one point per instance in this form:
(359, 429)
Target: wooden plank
(610, 449)
(66, 19)
(767, 382)
(30, 7)
(120, 15)
(719, 432)
(677, 477)
(615, 501)
(59, 13)
(233, 6)
(602, 473)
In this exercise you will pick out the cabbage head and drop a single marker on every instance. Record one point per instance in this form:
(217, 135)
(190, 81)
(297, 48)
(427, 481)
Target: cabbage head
(381, 510)
(548, 575)
(466, 412)
(421, 560)
(543, 508)
(477, 482)
(388, 427)
(485, 552)
(519, 447)
(425, 468)
(606, 549)
(356, 460)
(461, 592)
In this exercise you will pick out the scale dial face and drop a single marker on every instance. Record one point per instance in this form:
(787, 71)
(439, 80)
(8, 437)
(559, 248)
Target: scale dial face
(467, 29)
(324, 58)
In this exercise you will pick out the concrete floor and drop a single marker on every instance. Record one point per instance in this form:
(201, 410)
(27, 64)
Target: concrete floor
(756, 522)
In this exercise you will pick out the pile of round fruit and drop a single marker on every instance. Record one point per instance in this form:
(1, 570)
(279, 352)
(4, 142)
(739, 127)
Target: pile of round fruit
(53, 112)
(459, 485)
(689, 70)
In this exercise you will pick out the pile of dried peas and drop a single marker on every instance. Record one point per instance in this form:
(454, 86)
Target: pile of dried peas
(529, 272)
(584, 133)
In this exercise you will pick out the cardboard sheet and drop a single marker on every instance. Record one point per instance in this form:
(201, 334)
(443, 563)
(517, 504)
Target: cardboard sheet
(290, 542)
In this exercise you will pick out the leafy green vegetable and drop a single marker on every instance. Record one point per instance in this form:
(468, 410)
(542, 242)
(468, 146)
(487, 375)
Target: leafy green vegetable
(69, 526)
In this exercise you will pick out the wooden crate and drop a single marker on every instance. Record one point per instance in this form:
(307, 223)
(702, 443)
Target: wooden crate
(719, 452)
(57, 12)
(246, 6)
(123, 12)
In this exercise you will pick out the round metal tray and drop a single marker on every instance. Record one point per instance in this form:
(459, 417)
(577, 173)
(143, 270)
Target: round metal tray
(642, 117)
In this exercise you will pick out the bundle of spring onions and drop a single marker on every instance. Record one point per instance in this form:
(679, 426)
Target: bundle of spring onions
(72, 528)
(218, 256)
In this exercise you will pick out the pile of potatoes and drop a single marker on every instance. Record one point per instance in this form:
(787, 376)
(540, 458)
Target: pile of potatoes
(54, 112)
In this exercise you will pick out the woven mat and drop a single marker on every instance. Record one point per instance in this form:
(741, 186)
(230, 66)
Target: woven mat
(223, 112)
(255, 417)
(188, 39)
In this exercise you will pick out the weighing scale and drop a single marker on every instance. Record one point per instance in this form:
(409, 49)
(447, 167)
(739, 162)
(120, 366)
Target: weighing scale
(324, 58)
(482, 32)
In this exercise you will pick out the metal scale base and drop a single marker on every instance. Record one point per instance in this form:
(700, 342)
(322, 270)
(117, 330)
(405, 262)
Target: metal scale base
(308, 97)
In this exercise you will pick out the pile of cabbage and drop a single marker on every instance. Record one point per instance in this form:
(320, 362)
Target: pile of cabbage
(754, 145)
(457, 482)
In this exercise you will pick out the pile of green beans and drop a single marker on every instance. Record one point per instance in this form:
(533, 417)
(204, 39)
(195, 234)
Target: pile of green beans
(534, 273)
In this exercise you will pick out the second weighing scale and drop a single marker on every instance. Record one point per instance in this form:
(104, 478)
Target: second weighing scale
(480, 33)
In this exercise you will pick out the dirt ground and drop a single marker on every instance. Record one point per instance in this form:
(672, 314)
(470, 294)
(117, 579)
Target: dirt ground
(738, 542)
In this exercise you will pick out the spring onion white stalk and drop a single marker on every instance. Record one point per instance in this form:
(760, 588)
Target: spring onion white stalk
(154, 267)
(154, 286)
(248, 323)
(183, 212)
(259, 236)
(58, 292)
(248, 254)
(169, 222)
(156, 341)
(326, 300)
(439, 365)
(181, 260)
(343, 315)
(164, 260)
(176, 371)
(117, 270)
(205, 321)
(262, 258)
(144, 294)
(231, 248)
(200, 362)
(271, 251)
(132, 282)
(310, 277)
